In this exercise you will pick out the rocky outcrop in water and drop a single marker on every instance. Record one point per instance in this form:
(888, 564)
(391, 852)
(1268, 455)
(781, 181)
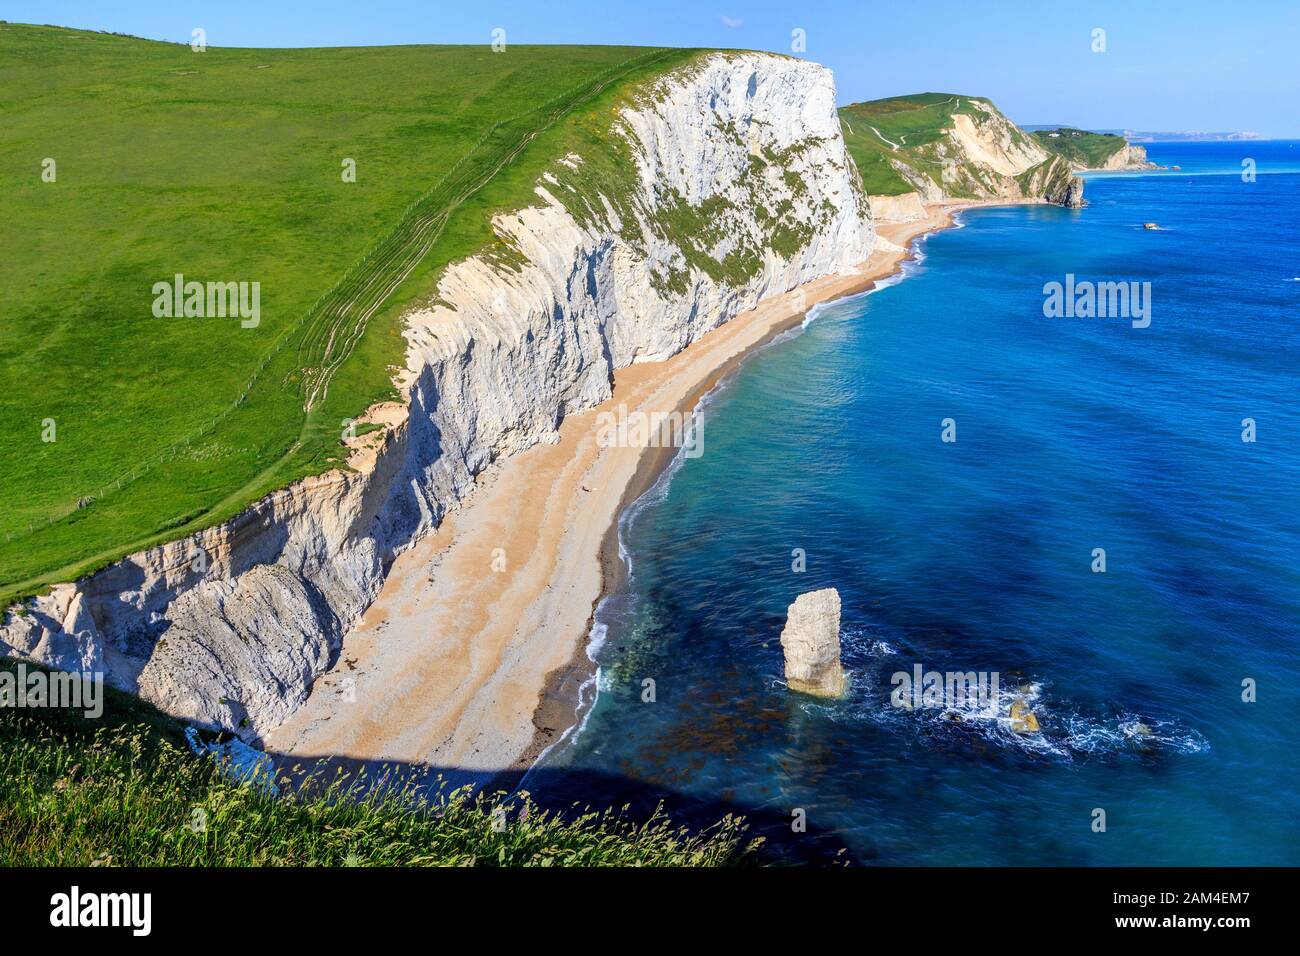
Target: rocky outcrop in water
(1054, 181)
(811, 641)
(1074, 193)
(1023, 720)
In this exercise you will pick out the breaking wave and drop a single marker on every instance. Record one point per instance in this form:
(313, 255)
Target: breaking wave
(1066, 730)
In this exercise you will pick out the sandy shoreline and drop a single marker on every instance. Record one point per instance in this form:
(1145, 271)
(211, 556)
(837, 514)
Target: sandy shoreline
(470, 660)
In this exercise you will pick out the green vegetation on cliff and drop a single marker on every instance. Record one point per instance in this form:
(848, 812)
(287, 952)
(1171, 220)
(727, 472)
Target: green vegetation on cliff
(942, 144)
(881, 133)
(1082, 149)
(126, 162)
(125, 790)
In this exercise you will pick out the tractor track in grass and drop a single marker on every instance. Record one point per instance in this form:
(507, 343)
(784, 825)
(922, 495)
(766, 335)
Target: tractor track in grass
(411, 240)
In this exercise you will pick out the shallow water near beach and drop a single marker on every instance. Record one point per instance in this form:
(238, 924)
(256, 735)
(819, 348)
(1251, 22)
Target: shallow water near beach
(1072, 435)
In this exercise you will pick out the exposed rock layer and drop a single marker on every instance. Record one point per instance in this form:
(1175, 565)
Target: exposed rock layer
(905, 208)
(979, 154)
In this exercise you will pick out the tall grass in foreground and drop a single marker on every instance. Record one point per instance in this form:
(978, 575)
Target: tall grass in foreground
(125, 791)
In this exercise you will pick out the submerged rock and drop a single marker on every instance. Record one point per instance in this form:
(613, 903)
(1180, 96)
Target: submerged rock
(811, 640)
(1143, 736)
(1023, 720)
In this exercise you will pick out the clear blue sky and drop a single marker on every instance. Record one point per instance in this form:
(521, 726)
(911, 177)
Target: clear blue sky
(1194, 64)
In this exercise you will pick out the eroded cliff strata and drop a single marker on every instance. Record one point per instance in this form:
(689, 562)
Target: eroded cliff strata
(722, 183)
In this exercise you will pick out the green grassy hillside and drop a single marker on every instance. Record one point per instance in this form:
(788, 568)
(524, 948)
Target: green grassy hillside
(226, 166)
(913, 131)
(1079, 147)
(125, 790)
(879, 131)
(910, 130)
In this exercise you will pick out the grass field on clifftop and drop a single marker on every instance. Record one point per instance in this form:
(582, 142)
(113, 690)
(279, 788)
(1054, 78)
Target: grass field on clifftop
(226, 166)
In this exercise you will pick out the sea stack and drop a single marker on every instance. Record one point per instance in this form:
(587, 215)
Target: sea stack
(1073, 193)
(811, 640)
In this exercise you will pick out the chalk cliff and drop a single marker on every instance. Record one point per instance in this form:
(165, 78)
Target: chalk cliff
(1129, 157)
(725, 182)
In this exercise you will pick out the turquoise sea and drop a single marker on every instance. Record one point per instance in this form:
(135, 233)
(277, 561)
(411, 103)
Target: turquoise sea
(1072, 434)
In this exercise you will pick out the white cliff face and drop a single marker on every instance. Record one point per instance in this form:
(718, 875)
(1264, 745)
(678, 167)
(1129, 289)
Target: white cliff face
(499, 364)
(230, 626)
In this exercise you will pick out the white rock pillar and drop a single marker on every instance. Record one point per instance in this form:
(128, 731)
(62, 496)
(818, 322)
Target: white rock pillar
(811, 641)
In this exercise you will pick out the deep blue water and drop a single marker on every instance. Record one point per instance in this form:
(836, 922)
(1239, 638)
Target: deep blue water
(1072, 434)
